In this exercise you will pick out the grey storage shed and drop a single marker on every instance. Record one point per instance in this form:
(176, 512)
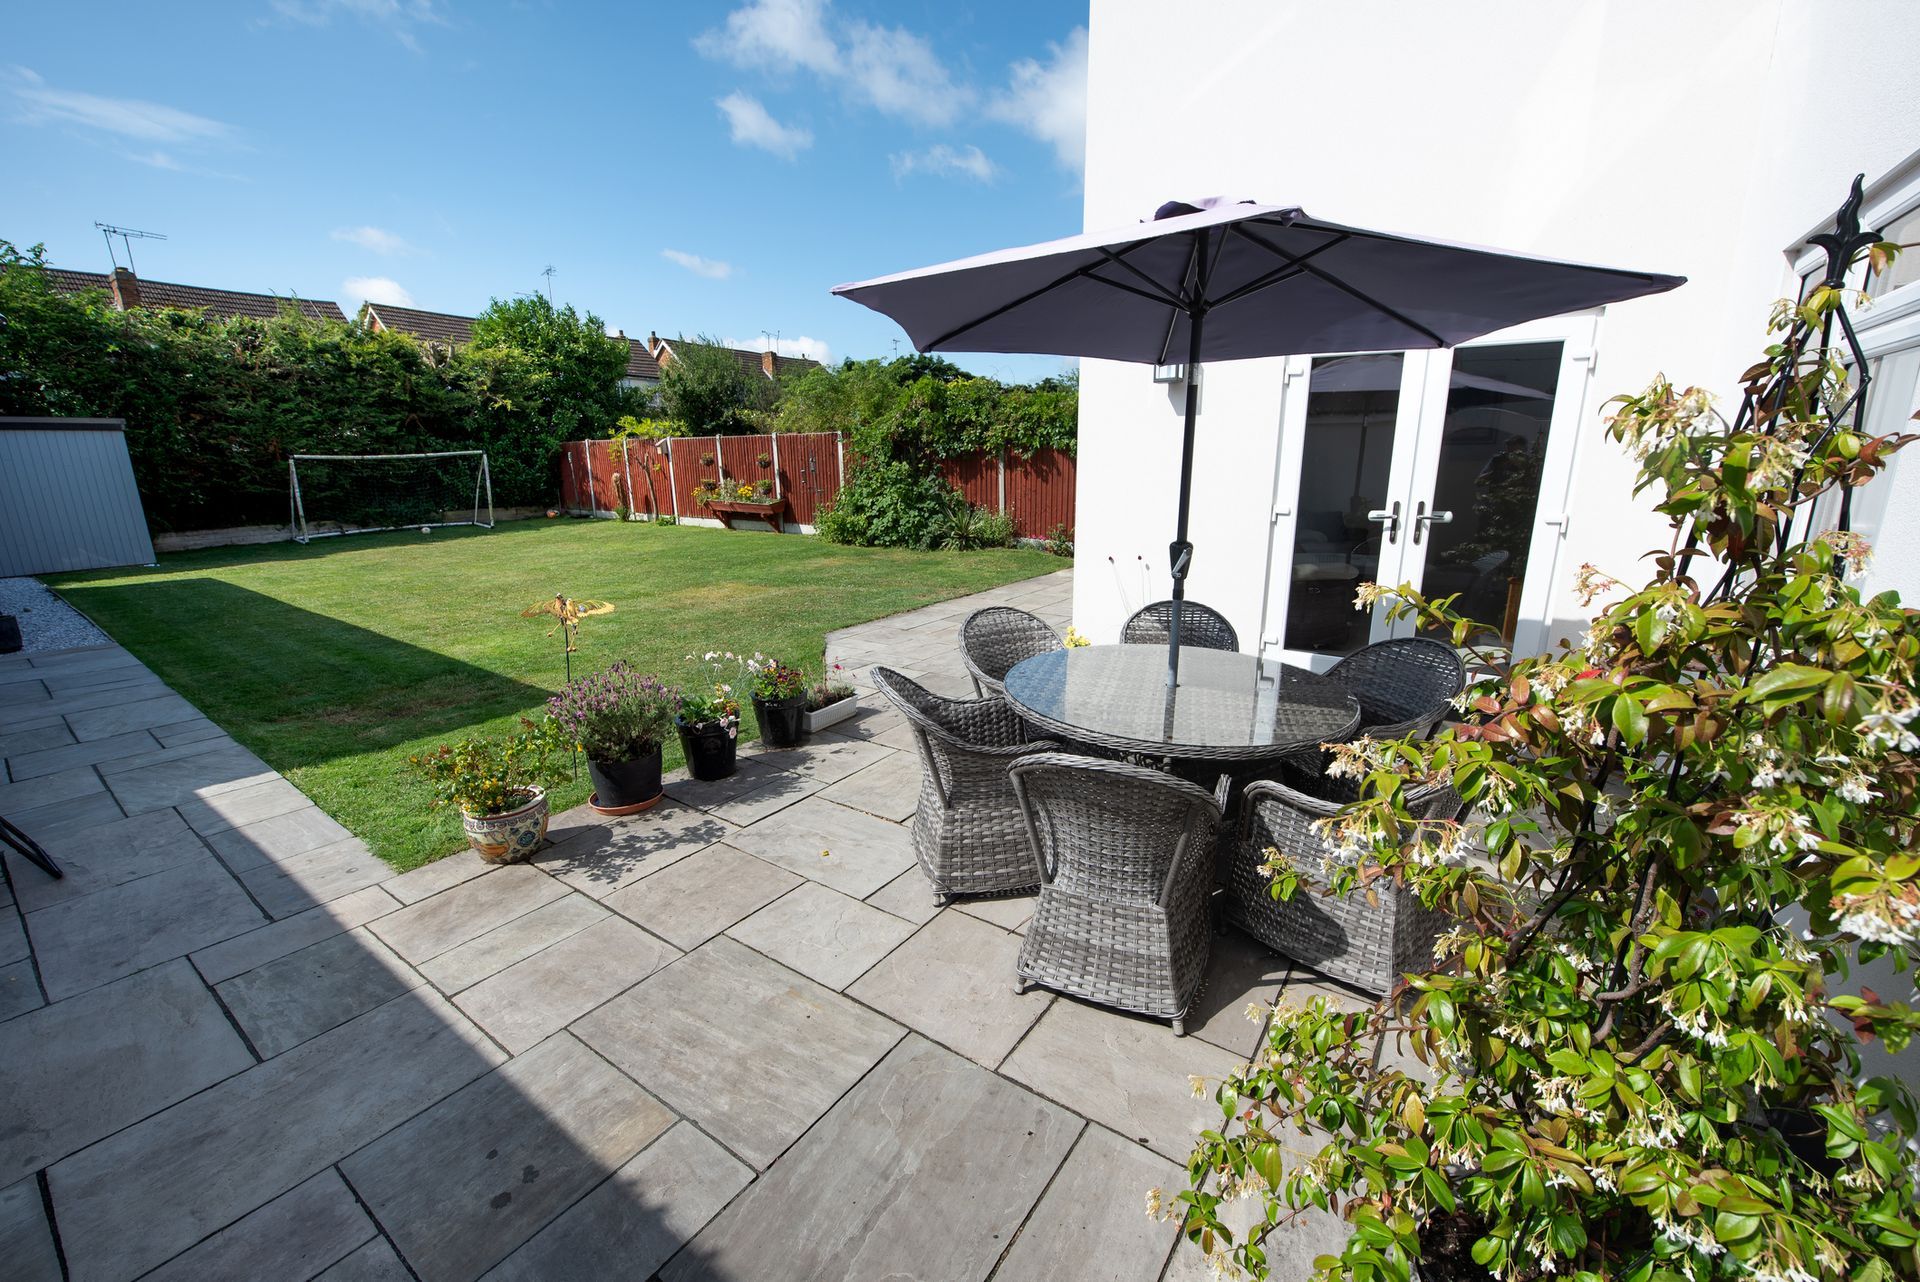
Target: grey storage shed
(67, 497)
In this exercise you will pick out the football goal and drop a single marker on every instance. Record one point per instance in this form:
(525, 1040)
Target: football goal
(361, 493)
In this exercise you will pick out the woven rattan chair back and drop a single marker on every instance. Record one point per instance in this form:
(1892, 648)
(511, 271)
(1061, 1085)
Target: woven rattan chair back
(994, 639)
(1124, 856)
(1200, 626)
(1403, 686)
(1366, 944)
(968, 833)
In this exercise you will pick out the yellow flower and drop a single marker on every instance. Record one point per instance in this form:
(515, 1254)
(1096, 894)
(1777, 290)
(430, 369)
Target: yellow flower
(1074, 640)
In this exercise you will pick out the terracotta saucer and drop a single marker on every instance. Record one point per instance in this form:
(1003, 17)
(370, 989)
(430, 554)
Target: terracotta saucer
(634, 809)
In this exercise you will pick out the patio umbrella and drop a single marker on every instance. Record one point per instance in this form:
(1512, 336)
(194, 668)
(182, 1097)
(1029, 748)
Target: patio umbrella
(1217, 280)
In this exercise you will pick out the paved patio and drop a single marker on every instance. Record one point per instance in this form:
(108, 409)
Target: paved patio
(731, 1038)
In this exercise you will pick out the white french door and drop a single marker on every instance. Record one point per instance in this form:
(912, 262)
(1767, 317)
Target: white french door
(1445, 469)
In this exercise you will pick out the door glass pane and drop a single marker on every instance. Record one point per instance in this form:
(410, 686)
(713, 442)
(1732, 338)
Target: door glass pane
(1492, 444)
(1346, 457)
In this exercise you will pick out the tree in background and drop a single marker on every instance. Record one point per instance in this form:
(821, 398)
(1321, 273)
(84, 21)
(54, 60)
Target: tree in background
(705, 387)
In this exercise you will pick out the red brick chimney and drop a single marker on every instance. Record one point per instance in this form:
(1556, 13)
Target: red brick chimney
(766, 363)
(126, 289)
(653, 344)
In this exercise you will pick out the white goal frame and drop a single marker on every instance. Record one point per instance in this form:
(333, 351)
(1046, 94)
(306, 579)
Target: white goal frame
(302, 533)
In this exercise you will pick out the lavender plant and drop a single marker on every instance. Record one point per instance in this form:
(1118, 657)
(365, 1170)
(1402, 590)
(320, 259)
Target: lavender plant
(1633, 1064)
(617, 714)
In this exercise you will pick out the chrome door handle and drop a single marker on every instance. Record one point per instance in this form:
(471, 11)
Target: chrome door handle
(1389, 519)
(1423, 518)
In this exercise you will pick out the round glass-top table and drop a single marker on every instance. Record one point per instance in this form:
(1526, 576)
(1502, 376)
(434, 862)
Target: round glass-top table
(1228, 706)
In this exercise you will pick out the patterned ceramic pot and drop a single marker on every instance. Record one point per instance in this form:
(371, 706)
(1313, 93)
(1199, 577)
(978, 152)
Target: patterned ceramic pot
(511, 837)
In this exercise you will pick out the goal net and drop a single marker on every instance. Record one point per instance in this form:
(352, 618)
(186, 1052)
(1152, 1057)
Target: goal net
(361, 493)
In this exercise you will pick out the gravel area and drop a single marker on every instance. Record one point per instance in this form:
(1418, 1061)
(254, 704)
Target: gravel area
(46, 622)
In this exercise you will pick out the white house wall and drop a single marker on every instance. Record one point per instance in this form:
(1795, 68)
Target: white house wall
(1699, 138)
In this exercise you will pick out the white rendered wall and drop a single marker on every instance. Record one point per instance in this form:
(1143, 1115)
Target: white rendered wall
(1704, 138)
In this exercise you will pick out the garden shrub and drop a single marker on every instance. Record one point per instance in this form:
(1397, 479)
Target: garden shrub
(887, 505)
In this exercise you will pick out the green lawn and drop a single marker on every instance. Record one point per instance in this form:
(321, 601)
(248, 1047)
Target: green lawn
(336, 661)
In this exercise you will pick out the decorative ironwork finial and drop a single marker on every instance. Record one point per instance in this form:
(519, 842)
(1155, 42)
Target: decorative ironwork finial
(1846, 239)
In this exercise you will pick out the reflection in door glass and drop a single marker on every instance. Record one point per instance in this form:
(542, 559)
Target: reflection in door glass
(1346, 459)
(1492, 444)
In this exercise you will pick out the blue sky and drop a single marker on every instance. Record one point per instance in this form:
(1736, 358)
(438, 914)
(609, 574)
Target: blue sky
(704, 168)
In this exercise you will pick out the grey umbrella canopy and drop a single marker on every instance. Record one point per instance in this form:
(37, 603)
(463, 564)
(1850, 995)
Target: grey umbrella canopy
(1215, 281)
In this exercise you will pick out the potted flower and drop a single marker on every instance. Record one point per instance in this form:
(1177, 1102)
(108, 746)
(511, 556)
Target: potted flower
(708, 721)
(779, 701)
(830, 700)
(498, 783)
(619, 718)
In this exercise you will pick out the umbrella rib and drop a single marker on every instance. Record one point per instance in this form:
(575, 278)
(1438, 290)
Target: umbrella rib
(1119, 260)
(1077, 273)
(1339, 284)
(1150, 296)
(1284, 272)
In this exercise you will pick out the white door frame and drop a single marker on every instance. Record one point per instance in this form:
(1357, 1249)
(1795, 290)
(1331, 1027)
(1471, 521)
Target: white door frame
(1425, 382)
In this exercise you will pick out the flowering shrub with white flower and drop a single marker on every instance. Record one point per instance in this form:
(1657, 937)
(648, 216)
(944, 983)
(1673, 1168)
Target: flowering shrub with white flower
(1634, 1064)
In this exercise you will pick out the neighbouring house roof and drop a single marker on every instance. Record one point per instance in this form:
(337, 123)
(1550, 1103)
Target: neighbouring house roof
(640, 362)
(126, 290)
(766, 364)
(430, 327)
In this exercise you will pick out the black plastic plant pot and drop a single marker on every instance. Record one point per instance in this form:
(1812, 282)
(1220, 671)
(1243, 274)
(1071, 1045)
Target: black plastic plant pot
(709, 748)
(9, 634)
(620, 784)
(783, 722)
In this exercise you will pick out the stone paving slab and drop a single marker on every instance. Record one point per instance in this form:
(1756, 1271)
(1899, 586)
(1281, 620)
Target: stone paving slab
(277, 838)
(464, 1184)
(299, 882)
(700, 896)
(951, 981)
(532, 999)
(855, 854)
(637, 1218)
(296, 1235)
(26, 1240)
(241, 806)
(909, 895)
(143, 1195)
(242, 953)
(13, 937)
(19, 989)
(83, 1068)
(142, 714)
(221, 768)
(302, 995)
(826, 758)
(422, 931)
(825, 935)
(105, 856)
(515, 941)
(67, 818)
(84, 942)
(889, 788)
(1129, 1073)
(1091, 1226)
(925, 1170)
(724, 1004)
(1240, 970)
(1008, 912)
(49, 790)
(598, 856)
(34, 737)
(31, 765)
(193, 730)
(431, 879)
(374, 1262)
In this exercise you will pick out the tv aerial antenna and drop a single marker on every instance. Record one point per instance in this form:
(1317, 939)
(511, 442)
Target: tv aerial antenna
(127, 236)
(547, 271)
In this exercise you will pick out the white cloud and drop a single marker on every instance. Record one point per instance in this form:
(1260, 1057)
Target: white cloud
(398, 17)
(944, 161)
(374, 289)
(753, 126)
(888, 68)
(775, 35)
(172, 164)
(711, 268)
(1049, 100)
(812, 348)
(127, 117)
(899, 73)
(376, 240)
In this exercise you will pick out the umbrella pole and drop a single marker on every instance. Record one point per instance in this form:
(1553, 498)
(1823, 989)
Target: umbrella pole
(1180, 552)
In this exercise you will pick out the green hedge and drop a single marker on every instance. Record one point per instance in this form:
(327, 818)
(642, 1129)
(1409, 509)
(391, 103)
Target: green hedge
(214, 407)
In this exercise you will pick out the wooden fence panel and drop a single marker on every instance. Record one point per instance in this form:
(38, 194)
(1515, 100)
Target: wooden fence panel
(809, 472)
(1040, 492)
(978, 478)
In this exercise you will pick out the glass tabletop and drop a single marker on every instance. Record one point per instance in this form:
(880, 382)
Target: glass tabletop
(1227, 706)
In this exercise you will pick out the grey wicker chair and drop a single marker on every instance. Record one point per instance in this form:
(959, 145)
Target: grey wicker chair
(968, 833)
(994, 639)
(1368, 945)
(1403, 686)
(1200, 626)
(1125, 861)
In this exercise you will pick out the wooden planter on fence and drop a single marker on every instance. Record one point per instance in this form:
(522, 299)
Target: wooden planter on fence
(730, 509)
